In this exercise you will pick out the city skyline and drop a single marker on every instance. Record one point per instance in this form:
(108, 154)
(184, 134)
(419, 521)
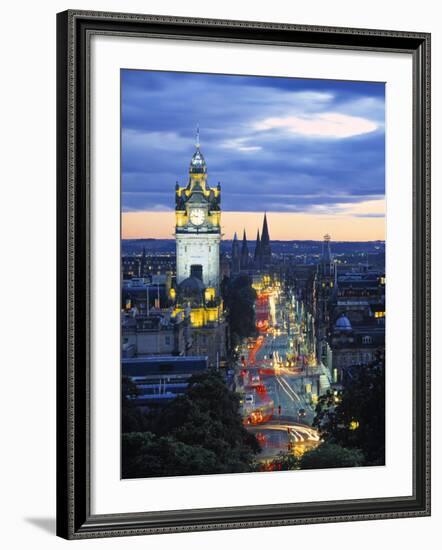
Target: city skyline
(250, 128)
(284, 226)
(265, 352)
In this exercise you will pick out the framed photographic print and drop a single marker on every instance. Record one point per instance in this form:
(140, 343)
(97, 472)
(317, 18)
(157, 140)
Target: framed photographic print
(243, 274)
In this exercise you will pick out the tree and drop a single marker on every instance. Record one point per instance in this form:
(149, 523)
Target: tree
(328, 455)
(239, 300)
(355, 418)
(205, 423)
(283, 462)
(132, 419)
(146, 455)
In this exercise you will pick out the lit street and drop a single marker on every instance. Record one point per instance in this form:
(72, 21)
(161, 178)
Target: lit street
(266, 374)
(239, 313)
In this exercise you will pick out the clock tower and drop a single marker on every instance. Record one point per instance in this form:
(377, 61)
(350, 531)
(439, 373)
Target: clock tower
(198, 228)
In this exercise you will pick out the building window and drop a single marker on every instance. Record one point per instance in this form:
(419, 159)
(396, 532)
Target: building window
(367, 339)
(167, 340)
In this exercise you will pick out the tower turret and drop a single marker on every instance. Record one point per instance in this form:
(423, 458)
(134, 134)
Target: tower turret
(326, 259)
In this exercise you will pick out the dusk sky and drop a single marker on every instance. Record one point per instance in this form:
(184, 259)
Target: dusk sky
(309, 152)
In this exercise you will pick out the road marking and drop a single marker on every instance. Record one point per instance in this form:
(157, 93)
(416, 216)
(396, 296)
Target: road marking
(290, 389)
(284, 389)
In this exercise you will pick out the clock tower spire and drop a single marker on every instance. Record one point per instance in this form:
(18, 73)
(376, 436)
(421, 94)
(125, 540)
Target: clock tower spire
(198, 224)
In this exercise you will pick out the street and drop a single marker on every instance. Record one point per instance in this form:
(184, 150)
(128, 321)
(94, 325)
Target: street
(271, 378)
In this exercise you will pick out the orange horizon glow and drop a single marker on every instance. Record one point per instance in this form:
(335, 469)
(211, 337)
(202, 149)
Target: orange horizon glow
(283, 226)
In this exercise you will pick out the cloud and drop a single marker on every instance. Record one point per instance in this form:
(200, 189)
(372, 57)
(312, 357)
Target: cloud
(328, 125)
(240, 144)
(146, 141)
(364, 208)
(282, 166)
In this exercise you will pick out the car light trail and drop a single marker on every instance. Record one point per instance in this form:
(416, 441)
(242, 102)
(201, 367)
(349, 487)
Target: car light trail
(298, 432)
(288, 390)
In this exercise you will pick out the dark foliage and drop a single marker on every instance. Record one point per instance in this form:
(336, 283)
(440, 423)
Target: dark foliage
(328, 455)
(201, 432)
(132, 419)
(147, 455)
(355, 418)
(239, 300)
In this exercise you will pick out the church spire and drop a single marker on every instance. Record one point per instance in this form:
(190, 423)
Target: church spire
(197, 142)
(265, 249)
(265, 238)
(257, 253)
(244, 252)
(235, 255)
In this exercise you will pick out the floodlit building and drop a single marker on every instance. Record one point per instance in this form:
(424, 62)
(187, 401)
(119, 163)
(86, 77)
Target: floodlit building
(198, 235)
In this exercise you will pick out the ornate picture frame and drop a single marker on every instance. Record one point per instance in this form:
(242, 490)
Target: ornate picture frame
(74, 517)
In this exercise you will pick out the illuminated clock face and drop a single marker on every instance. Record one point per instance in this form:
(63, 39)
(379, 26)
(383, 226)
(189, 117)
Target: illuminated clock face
(197, 216)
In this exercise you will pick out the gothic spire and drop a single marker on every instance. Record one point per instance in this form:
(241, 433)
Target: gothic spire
(244, 242)
(235, 254)
(265, 238)
(265, 251)
(244, 252)
(257, 247)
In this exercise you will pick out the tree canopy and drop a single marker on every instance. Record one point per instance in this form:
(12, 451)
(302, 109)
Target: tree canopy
(328, 455)
(355, 417)
(200, 432)
(239, 300)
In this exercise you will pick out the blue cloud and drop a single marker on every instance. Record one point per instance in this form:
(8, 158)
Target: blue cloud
(278, 165)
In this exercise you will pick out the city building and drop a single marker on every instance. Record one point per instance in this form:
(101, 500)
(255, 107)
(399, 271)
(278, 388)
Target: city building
(198, 226)
(257, 252)
(146, 293)
(265, 250)
(323, 291)
(349, 310)
(159, 379)
(198, 235)
(354, 345)
(157, 333)
(146, 264)
(236, 258)
(245, 256)
(261, 260)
